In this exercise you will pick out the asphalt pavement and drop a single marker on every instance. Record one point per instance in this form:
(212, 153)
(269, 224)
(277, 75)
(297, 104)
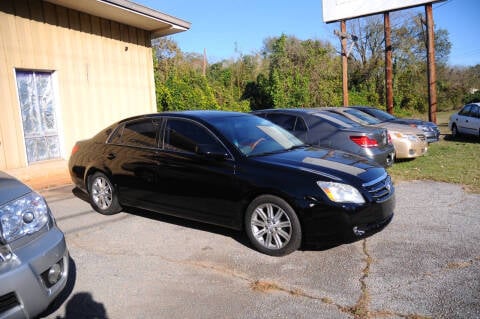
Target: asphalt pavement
(137, 264)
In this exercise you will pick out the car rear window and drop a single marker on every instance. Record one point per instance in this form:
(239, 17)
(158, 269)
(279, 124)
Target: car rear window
(337, 120)
(362, 116)
(139, 133)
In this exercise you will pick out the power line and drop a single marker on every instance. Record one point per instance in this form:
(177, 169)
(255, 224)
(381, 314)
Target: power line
(442, 4)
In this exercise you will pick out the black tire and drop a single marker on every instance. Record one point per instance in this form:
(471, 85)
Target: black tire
(455, 133)
(103, 195)
(272, 226)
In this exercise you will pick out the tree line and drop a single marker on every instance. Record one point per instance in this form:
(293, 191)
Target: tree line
(289, 72)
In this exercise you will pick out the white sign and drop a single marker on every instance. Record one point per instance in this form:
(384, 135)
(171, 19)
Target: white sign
(335, 10)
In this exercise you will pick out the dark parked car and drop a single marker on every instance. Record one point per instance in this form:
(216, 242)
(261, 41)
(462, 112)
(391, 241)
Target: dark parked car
(33, 255)
(235, 170)
(326, 129)
(430, 129)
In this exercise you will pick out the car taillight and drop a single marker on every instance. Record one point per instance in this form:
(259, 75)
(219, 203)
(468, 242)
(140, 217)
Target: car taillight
(364, 141)
(389, 138)
(74, 149)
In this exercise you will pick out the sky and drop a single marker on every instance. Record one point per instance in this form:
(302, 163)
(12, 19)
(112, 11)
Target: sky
(230, 28)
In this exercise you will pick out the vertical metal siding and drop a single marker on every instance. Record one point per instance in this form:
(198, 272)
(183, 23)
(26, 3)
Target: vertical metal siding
(104, 70)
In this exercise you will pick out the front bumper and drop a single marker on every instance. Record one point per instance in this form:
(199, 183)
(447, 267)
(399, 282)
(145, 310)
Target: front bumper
(24, 292)
(325, 225)
(405, 148)
(432, 135)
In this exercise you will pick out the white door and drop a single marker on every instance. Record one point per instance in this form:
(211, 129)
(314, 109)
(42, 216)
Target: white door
(37, 104)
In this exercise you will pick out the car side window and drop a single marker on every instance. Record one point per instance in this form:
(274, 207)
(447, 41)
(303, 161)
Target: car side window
(475, 111)
(283, 120)
(466, 110)
(116, 137)
(187, 136)
(300, 125)
(140, 133)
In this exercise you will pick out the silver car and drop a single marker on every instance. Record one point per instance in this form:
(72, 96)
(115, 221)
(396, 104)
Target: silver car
(33, 254)
(409, 142)
(466, 121)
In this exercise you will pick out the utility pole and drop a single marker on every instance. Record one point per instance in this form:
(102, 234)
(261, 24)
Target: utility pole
(343, 35)
(432, 76)
(343, 30)
(204, 66)
(388, 63)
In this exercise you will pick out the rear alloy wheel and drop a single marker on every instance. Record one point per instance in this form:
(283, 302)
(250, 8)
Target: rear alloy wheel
(103, 196)
(273, 226)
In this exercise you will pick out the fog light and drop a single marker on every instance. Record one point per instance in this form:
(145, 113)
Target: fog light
(54, 274)
(358, 231)
(5, 253)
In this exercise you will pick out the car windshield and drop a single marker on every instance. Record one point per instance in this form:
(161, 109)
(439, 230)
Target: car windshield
(337, 119)
(253, 135)
(381, 115)
(363, 117)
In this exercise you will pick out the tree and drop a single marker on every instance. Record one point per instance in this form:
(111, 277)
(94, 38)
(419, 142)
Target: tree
(300, 74)
(178, 79)
(366, 64)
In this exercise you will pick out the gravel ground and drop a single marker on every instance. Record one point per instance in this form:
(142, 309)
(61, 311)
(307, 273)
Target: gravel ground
(425, 264)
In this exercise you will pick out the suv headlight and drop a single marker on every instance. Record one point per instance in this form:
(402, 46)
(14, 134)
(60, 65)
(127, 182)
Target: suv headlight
(341, 193)
(23, 216)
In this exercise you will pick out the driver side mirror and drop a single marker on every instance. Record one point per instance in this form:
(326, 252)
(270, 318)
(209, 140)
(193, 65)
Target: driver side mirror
(212, 151)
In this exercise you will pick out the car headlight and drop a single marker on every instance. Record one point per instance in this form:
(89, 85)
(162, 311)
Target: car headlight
(423, 127)
(410, 137)
(341, 193)
(23, 216)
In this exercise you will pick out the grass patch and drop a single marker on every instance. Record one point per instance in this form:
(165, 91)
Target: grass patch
(449, 160)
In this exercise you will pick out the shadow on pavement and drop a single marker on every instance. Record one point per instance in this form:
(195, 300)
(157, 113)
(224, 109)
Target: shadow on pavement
(80, 305)
(238, 236)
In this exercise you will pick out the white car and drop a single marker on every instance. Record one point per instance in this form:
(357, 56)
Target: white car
(466, 121)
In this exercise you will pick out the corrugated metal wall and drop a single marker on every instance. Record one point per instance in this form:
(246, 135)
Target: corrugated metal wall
(102, 71)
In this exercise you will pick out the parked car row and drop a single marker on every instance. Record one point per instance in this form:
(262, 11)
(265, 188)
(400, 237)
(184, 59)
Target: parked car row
(431, 131)
(370, 134)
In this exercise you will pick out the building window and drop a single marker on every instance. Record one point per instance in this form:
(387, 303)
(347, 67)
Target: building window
(37, 106)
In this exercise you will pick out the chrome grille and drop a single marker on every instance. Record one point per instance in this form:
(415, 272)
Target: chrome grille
(380, 189)
(421, 137)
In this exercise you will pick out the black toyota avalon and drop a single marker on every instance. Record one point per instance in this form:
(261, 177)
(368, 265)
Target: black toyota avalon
(235, 170)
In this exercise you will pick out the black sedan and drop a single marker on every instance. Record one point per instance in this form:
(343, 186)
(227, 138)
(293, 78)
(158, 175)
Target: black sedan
(326, 129)
(430, 129)
(235, 170)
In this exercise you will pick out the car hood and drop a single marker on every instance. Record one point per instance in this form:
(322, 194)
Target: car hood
(402, 128)
(333, 164)
(11, 188)
(413, 121)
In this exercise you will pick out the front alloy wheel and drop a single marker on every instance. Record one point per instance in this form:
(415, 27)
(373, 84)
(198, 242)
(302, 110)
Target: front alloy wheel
(103, 195)
(272, 226)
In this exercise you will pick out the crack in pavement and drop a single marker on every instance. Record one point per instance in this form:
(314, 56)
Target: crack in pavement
(361, 310)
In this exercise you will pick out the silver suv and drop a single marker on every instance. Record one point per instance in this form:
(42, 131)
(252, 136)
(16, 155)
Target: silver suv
(33, 254)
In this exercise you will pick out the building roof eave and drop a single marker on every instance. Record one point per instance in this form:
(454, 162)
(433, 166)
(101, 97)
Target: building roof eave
(129, 13)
